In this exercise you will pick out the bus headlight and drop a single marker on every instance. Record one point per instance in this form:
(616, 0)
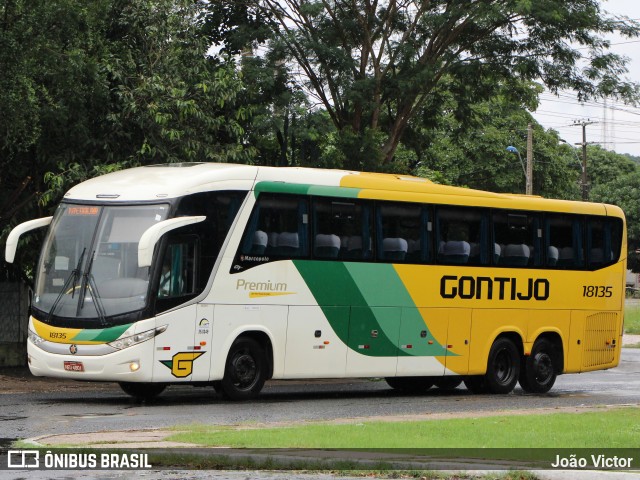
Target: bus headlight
(34, 337)
(127, 342)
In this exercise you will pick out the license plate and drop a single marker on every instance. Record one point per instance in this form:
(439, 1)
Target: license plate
(73, 366)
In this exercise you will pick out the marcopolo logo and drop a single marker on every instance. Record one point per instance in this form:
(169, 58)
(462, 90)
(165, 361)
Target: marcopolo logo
(496, 288)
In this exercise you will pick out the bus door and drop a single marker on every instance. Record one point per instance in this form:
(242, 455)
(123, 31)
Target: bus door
(181, 350)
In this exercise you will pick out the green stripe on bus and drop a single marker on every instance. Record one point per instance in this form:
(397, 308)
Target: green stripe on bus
(306, 189)
(381, 285)
(383, 314)
(101, 335)
(342, 290)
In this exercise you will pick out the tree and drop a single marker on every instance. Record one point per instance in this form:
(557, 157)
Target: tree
(277, 105)
(168, 101)
(624, 191)
(466, 145)
(604, 166)
(89, 87)
(373, 65)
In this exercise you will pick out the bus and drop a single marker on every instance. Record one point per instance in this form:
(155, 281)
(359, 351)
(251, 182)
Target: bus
(231, 275)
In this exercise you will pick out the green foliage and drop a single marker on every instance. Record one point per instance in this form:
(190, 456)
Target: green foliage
(112, 84)
(471, 150)
(88, 88)
(375, 66)
(624, 191)
(632, 319)
(604, 166)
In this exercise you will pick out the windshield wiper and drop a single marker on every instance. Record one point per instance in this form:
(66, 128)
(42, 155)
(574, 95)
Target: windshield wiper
(89, 284)
(75, 275)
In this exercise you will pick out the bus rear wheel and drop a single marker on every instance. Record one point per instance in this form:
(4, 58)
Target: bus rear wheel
(245, 370)
(410, 384)
(503, 366)
(539, 370)
(142, 391)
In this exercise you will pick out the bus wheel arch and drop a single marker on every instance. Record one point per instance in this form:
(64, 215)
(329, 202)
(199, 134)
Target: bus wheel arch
(503, 363)
(540, 368)
(264, 340)
(247, 366)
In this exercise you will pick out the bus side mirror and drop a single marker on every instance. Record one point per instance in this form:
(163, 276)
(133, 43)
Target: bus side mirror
(16, 233)
(151, 236)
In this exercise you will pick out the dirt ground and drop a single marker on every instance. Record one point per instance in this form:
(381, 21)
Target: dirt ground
(20, 380)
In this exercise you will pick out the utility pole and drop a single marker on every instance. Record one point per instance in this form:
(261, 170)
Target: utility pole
(529, 175)
(583, 124)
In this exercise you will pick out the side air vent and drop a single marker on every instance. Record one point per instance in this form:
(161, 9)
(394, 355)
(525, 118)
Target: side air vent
(600, 339)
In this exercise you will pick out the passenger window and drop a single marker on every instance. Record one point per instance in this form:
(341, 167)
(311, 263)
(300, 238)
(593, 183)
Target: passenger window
(342, 229)
(563, 239)
(603, 241)
(517, 239)
(278, 228)
(402, 233)
(462, 236)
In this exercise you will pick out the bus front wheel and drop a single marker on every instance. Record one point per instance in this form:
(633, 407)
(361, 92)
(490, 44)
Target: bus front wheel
(503, 366)
(245, 370)
(142, 391)
(539, 370)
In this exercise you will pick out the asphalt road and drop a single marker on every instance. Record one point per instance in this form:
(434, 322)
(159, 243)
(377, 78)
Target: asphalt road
(90, 407)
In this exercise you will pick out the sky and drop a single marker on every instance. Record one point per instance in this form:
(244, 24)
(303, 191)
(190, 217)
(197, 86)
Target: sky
(615, 126)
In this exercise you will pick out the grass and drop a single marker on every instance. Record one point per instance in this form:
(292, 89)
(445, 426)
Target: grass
(632, 319)
(617, 428)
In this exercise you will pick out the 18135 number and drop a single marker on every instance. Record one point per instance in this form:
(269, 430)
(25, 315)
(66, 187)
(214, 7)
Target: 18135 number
(600, 291)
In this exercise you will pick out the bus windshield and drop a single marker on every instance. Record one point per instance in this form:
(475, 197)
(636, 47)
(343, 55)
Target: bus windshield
(89, 263)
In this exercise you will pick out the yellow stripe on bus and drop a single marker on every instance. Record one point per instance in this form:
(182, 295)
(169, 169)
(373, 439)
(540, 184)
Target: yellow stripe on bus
(60, 335)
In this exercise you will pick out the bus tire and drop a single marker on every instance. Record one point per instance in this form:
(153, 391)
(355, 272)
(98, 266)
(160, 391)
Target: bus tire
(503, 366)
(245, 371)
(447, 384)
(410, 384)
(142, 391)
(539, 370)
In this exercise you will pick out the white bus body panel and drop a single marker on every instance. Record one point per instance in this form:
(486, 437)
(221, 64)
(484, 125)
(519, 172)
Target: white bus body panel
(231, 321)
(113, 367)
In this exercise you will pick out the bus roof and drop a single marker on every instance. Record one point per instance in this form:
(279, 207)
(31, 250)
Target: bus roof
(158, 182)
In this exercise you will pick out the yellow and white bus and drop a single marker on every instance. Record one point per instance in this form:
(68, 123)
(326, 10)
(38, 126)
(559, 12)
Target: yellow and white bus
(234, 274)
